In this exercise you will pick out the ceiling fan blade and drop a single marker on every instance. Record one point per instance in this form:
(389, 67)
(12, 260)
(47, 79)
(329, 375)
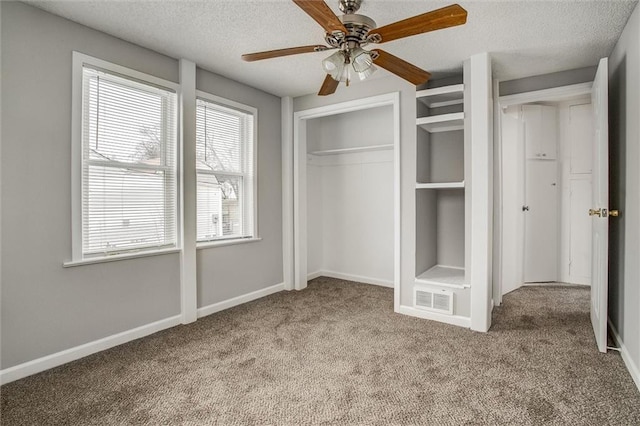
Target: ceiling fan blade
(446, 17)
(250, 57)
(322, 14)
(329, 86)
(401, 68)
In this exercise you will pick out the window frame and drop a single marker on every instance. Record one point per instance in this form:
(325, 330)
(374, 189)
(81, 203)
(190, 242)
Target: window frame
(247, 109)
(79, 61)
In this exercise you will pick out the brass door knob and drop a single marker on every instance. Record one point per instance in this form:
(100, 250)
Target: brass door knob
(614, 213)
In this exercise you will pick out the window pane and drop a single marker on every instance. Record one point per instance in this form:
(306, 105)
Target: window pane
(126, 209)
(219, 210)
(220, 136)
(124, 123)
(224, 161)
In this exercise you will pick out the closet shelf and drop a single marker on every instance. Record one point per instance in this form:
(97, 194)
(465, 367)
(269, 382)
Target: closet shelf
(442, 123)
(440, 185)
(443, 276)
(352, 150)
(442, 96)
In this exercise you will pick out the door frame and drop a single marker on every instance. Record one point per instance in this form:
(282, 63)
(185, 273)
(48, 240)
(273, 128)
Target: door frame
(554, 94)
(298, 181)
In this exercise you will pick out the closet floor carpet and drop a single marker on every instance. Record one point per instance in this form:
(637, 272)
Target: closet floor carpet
(336, 353)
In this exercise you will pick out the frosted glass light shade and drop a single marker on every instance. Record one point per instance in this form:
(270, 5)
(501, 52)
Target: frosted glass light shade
(361, 60)
(334, 65)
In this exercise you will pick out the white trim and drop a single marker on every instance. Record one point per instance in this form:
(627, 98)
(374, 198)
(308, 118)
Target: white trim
(287, 192)
(548, 95)
(480, 127)
(634, 371)
(397, 202)
(239, 300)
(434, 316)
(76, 155)
(223, 243)
(50, 361)
(350, 277)
(497, 196)
(116, 257)
(298, 180)
(188, 190)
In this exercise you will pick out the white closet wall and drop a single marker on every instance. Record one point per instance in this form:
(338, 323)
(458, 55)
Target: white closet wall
(350, 196)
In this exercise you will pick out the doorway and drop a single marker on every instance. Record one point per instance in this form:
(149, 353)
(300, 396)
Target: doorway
(546, 167)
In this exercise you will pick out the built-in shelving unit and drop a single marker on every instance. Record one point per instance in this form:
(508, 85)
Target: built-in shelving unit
(353, 150)
(440, 190)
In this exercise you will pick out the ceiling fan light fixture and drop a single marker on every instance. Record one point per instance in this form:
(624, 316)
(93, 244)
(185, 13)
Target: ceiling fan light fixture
(344, 64)
(366, 73)
(361, 60)
(334, 65)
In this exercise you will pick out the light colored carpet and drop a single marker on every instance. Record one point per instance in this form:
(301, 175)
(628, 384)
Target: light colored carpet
(336, 353)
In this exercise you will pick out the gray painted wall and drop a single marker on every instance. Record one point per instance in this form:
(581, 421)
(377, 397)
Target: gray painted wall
(47, 308)
(624, 145)
(230, 271)
(547, 81)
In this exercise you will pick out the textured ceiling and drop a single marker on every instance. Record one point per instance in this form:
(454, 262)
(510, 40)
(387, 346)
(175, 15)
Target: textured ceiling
(525, 37)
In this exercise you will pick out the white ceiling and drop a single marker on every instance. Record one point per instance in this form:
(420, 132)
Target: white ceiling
(525, 37)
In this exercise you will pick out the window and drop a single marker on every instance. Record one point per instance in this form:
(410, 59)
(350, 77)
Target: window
(128, 182)
(225, 141)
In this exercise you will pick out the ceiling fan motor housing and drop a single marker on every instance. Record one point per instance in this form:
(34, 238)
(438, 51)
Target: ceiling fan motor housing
(357, 28)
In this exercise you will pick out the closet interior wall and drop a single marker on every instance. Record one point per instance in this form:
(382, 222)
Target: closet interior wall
(350, 196)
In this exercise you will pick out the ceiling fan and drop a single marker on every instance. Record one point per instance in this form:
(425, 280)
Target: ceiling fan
(350, 32)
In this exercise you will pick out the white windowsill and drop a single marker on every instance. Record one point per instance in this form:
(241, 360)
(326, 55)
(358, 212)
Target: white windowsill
(222, 243)
(116, 257)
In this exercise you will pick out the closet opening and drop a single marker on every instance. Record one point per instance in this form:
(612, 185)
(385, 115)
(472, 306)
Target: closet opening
(546, 162)
(347, 192)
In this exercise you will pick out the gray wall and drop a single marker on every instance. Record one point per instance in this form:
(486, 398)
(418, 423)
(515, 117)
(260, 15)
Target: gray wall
(373, 87)
(547, 81)
(624, 145)
(230, 271)
(47, 308)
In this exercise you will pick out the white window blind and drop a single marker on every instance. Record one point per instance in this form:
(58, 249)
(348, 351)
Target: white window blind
(225, 171)
(129, 188)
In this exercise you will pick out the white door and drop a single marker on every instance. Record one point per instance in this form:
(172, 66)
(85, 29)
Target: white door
(600, 213)
(541, 221)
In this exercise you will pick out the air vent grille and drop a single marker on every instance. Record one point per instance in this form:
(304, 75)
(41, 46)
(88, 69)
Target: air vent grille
(434, 300)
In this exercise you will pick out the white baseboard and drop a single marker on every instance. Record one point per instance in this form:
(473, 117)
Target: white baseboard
(239, 300)
(314, 275)
(350, 277)
(435, 316)
(626, 356)
(50, 361)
